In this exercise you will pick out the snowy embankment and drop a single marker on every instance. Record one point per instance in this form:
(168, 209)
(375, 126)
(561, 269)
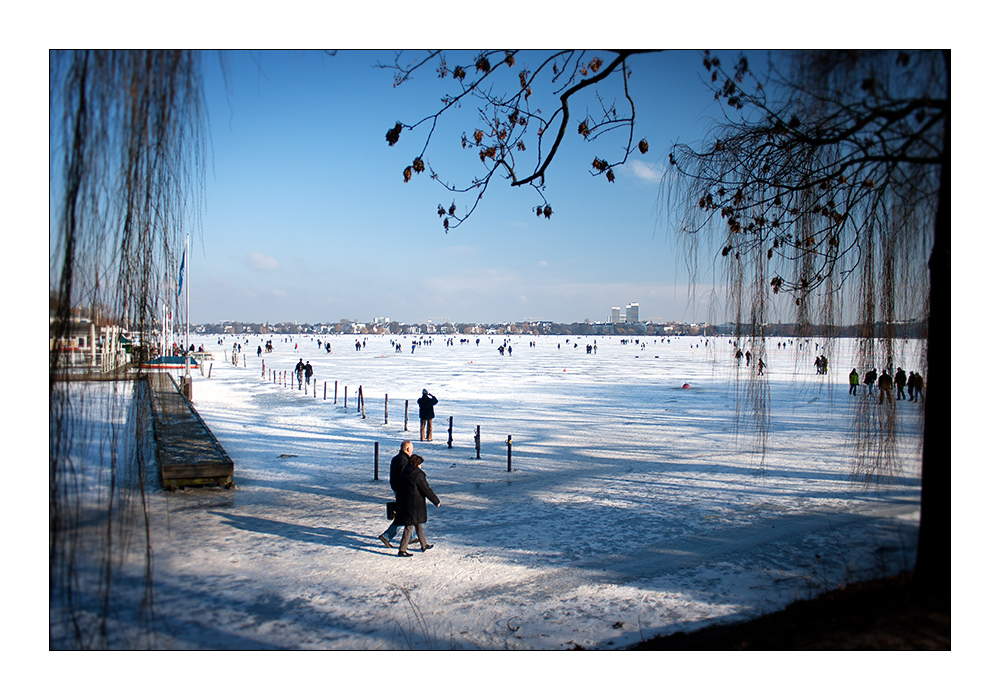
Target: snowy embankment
(633, 507)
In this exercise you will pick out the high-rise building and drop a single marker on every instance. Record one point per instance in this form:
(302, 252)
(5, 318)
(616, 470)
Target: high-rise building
(616, 314)
(632, 312)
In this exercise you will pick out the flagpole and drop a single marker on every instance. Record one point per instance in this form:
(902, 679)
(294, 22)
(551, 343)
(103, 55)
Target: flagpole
(187, 319)
(187, 301)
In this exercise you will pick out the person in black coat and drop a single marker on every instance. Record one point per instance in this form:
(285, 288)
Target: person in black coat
(426, 404)
(870, 377)
(900, 379)
(396, 466)
(411, 504)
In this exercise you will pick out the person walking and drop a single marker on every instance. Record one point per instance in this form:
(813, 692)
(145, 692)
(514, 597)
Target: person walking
(884, 386)
(308, 372)
(426, 403)
(870, 378)
(396, 466)
(411, 504)
(918, 386)
(852, 379)
(299, 369)
(900, 383)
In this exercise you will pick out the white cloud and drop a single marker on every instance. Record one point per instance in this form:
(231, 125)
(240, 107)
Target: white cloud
(644, 171)
(259, 261)
(543, 263)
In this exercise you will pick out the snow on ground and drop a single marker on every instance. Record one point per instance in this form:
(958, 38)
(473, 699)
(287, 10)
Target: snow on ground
(632, 508)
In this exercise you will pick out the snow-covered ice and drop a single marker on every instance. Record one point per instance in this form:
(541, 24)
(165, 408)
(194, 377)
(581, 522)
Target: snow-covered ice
(633, 506)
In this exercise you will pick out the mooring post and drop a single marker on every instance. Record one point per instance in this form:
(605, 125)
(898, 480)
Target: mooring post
(263, 369)
(508, 452)
(209, 370)
(477, 442)
(345, 397)
(406, 414)
(451, 423)
(324, 391)
(361, 401)
(387, 409)
(376, 461)
(314, 388)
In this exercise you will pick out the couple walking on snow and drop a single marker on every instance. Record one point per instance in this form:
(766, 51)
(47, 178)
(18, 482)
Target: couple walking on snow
(409, 483)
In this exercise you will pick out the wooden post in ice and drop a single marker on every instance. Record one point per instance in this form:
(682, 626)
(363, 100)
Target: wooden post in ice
(263, 369)
(314, 388)
(361, 401)
(324, 391)
(387, 409)
(508, 452)
(477, 442)
(209, 370)
(376, 461)
(406, 415)
(345, 397)
(451, 423)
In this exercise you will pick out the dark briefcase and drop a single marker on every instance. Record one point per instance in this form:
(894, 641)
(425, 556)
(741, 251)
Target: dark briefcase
(390, 510)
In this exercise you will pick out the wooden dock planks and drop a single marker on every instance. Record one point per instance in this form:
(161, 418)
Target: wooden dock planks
(187, 451)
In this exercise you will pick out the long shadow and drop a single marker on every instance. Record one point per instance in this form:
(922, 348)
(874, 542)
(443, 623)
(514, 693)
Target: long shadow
(325, 536)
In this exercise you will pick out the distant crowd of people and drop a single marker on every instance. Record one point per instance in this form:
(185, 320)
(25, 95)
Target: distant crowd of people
(906, 387)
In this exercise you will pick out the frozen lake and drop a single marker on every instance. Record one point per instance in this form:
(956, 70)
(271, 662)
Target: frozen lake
(633, 507)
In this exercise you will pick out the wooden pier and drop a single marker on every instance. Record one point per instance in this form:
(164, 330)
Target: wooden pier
(187, 452)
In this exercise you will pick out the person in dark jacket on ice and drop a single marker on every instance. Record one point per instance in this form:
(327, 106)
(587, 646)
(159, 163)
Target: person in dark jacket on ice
(411, 504)
(900, 380)
(396, 467)
(426, 403)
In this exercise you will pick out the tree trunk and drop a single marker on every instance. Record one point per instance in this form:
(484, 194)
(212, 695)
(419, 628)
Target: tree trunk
(933, 568)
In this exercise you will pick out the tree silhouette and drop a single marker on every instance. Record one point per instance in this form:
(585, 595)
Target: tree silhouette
(829, 185)
(126, 157)
(514, 139)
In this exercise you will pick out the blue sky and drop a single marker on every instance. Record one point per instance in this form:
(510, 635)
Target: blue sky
(308, 219)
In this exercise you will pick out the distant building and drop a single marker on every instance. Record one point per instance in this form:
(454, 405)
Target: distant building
(616, 314)
(632, 312)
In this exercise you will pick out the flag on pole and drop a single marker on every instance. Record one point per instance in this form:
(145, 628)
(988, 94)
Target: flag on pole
(180, 282)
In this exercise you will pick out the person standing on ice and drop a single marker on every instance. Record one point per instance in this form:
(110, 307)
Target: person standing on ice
(299, 369)
(411, 504)
(308, 372)
(870, 377)
(852, 379)
(918, 386)
(426, 403)
(396, 466)
(884, 386)
(900, 383)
